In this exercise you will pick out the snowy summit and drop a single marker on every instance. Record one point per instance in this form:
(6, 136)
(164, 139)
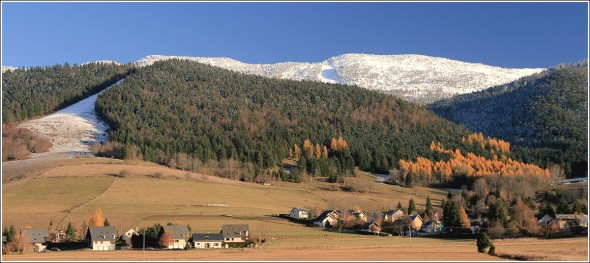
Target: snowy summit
(416, 78)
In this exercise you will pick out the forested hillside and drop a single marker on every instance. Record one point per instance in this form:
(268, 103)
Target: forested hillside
(36, 91)
(178, 110)
(546, 112)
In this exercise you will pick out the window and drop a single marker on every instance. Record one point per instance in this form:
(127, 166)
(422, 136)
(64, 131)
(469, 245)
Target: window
(216, 244)
(198, 244)
(227, 239)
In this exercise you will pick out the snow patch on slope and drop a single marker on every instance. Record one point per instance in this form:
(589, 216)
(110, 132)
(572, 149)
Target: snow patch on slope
(72, 130)
(416, 78)
(101, 62)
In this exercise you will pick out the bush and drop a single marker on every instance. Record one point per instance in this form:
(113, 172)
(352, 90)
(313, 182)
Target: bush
(492, 251)
(483, 242)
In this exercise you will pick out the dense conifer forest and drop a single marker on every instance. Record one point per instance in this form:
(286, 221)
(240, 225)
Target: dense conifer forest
(37, 91)
(178, 110)
(544, 116)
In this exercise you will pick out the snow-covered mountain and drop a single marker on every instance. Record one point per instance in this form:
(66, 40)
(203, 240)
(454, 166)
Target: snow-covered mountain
(416, 78)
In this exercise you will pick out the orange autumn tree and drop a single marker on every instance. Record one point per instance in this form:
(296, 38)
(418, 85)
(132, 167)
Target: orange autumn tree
(96, 219)
(424, 171)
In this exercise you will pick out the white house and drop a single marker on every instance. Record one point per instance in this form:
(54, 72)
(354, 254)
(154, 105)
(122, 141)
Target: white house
(177, 235)
(328, 217)
(299, 213)
(208, 240)
(37, 236)
(235, 233)
(101, 237)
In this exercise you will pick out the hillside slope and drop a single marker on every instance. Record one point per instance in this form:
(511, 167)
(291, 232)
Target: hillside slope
(174, 107)
(416, 78)
(547, 111)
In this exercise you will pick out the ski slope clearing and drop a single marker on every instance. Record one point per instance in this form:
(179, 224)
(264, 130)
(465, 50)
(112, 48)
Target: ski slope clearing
(72, 130)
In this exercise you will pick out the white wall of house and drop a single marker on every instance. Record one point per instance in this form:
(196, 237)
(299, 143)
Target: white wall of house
(208, 244)
(39, 247)
(300, 214)
(178, 243)
(103, 245)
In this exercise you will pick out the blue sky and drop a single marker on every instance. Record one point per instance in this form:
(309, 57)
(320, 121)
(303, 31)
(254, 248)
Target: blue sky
(499, 34)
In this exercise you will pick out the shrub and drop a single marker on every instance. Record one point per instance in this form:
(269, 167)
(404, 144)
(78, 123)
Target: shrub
(483, 242)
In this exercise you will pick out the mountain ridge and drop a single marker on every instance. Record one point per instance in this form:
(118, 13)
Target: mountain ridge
(416, 78)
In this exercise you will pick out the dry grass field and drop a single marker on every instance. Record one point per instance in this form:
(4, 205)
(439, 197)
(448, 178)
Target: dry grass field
(70, 190)
(367, 249)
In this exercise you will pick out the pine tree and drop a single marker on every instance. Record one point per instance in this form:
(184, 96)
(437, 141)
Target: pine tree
(399, 206)
(411, 206)
(106, 222)
(428, 210)
(70, 232)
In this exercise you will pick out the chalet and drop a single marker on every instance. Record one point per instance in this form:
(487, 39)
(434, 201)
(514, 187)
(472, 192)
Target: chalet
(101, 237)
(327, 218)
(235, 233)
(299, 213)
(416, 222)
(433, 227)
(37, 236)
(178, 236)
(372, 227)
(208, 240)
(392, 215)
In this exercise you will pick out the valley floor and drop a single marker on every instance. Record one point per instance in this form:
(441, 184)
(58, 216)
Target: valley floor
(573, 249)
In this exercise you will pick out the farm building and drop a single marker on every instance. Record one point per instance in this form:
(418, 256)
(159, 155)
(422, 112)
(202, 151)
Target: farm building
(433, 227)
(207, 240)
(101, 237)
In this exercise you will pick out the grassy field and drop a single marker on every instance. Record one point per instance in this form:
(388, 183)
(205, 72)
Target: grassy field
(69, 191)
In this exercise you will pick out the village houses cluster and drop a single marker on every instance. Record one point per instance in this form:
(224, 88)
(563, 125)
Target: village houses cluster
(238, 235)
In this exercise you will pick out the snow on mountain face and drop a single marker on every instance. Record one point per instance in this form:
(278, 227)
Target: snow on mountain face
(5, 68)
(416, 78)
(102, 62)
(73, 129)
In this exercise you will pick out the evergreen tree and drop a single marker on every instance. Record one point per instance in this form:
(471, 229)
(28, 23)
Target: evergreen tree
(428, 210)
(546, 208)
(399, 206)
(106, 222)
(562, 207)
(411, 206)
(483, 242)
(70, 232)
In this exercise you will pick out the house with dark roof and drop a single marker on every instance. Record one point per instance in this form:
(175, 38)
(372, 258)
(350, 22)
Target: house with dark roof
(208, 240)
(235, 233)
(37, 236)
(101, 237)
(372, 227)
(177, 236)
(328, 217)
